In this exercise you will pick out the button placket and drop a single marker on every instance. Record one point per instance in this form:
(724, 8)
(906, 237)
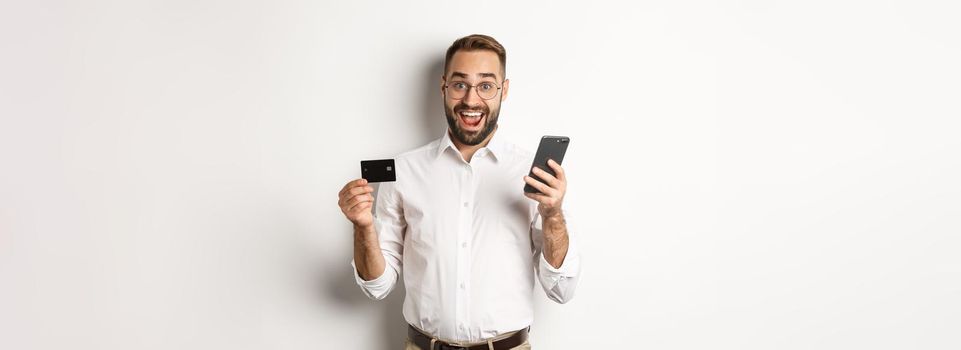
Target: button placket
(463, 255)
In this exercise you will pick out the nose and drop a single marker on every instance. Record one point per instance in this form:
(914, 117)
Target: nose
(472, 98)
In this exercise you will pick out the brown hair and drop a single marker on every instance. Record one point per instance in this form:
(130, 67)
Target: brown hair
(477, 42)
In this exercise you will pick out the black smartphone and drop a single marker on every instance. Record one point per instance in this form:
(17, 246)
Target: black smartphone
(551, 147)
(381, 170)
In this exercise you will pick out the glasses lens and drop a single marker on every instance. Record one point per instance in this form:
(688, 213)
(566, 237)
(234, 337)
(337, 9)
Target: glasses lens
(486, 90)
(457, 90)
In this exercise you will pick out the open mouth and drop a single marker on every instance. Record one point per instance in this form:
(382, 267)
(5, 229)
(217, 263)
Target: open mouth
(471, 119)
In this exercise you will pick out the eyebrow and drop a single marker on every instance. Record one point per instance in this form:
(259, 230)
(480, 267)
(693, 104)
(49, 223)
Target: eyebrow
(482, 75)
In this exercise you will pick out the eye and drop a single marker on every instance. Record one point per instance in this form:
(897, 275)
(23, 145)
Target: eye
(459, 86)
(486, 86)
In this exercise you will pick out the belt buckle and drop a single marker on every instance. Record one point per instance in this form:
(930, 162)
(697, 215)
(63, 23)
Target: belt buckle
(444, 346)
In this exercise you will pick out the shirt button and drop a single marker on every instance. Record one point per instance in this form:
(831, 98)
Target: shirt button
(462, 285)
(465, 204)
(463, 245)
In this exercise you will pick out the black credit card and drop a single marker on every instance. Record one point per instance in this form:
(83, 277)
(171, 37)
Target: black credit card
(381, 170)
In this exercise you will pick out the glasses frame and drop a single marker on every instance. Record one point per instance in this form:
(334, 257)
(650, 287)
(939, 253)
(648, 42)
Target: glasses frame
(472, 87)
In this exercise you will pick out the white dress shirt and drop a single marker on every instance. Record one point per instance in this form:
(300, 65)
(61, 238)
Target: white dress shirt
(468, 240)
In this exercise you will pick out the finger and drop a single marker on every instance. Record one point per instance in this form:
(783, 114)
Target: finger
(544, 200)
(361, 184)
(547, 178)
(360, 207)
(540, 198)
(353, 192)
(352, 184)
(357, 199)
(557, 169)
(540, 186)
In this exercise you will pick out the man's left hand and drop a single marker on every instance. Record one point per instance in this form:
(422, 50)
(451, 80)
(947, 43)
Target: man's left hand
(552, 190)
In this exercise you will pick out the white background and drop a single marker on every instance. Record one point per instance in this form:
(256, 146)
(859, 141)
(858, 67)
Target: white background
(747, 174)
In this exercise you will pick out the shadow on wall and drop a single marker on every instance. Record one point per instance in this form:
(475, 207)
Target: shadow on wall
(392, 328)
(431, 112)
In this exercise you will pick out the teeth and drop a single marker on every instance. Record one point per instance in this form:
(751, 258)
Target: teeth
(471, 114)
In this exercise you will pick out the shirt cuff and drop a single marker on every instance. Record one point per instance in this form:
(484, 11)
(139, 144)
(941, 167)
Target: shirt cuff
(380, 283)
(569, 267)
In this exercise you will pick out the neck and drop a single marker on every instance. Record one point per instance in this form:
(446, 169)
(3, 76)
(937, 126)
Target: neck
(467, 151)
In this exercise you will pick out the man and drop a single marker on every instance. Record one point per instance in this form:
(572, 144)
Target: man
(459, 224)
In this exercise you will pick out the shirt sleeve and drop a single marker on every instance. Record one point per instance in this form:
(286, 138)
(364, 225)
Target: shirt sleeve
(558, 283)
(390, 226)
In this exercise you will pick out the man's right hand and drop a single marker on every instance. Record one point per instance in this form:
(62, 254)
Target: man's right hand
(355, 202)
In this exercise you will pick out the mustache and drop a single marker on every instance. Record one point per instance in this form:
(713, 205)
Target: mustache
(465, 108)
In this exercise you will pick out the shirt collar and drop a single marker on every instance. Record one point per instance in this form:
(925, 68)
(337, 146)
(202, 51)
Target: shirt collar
(495, 146)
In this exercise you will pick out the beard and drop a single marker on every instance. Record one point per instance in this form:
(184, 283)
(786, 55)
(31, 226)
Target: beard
(471, 138)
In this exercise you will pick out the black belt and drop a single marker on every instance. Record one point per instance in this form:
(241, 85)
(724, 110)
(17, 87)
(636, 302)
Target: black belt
(423, 341)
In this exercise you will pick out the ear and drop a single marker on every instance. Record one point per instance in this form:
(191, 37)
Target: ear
(443, 80)
(507, 85)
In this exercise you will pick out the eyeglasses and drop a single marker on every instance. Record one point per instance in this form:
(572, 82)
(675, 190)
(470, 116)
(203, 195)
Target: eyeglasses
(458, 90)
